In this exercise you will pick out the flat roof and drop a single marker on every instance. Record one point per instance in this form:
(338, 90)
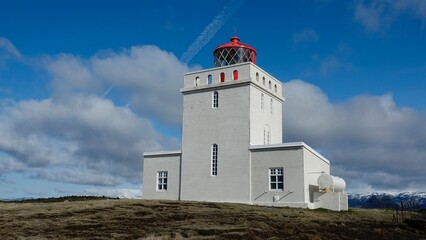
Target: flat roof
(288, 145)
(162, 153)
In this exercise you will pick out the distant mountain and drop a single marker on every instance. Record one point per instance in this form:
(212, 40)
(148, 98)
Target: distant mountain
(379, 201)
(357, 200)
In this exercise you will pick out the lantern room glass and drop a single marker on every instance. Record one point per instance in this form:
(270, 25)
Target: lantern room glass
(233, 55)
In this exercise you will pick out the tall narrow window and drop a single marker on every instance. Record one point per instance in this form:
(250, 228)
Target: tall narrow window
(266, 135)
(215, 99)
(270, 85)
(261, 101)
(214, 159)
(197, 81)
(209, 79)
(276, 179)
(271, 106)
(222, 77)
(235, 75)
(162, 181)
(263, 80)
(257, 77)
(275, 87)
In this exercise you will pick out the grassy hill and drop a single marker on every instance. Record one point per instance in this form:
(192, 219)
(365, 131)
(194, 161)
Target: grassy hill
(142, 219)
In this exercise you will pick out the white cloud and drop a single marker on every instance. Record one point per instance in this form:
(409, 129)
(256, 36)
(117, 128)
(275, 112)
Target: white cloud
(336, 61)
(330, 64)
(371, 16)
(9, 48)
(307, 35)
(418, 7)
(377, 15)
(78, 177)
(364, 137)
(147, 77)
(120, 193)
(97, 142)
(71, 74)
(79, 135)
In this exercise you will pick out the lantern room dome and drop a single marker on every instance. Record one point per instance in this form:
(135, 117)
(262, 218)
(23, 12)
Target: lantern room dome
(233, 52)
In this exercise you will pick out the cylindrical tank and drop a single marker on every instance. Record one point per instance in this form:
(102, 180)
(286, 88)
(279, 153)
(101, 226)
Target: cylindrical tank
(233, 52)
(330, 183)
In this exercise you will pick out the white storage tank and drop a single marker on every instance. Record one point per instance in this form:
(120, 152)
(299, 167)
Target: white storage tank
(330, 183)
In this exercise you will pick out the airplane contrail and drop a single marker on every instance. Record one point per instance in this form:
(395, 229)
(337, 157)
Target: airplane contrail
(210, 31)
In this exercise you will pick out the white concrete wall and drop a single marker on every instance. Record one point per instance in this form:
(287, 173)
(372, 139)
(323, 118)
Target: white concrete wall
(246, 71)
(256, 70)
(237, 123)
(165, 161)
(261, 119)
(190, 78)
(336, 201)
(314, 164)
(228, 127)
(287, 156)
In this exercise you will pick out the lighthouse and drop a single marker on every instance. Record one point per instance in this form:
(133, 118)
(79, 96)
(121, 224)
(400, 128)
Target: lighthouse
(232, 149)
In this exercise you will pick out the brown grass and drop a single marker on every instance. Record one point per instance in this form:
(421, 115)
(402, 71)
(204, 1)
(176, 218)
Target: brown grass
(142, 219)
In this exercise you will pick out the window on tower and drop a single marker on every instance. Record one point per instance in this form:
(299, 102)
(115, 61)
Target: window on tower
(197, 81)
(214, 159)
(263, 80)
(270, 85)
(266, 135)
(275, 88)
(209, 79)
(257, 76)
(215, 99)
(235, 75)
(222, 77)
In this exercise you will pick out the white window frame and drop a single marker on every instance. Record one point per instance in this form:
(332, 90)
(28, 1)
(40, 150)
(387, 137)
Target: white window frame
(162, 181)
(276, 179)
(215, 152)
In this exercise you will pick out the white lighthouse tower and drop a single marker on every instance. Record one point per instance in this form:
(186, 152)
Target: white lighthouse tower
(232, 148)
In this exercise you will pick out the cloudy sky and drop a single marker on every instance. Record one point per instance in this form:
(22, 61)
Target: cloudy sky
(87, 86)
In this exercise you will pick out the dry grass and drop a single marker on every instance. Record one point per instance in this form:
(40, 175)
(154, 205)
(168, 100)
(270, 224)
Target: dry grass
(142, 219)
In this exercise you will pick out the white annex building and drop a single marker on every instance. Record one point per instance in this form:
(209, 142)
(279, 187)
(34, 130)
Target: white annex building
(232, 148)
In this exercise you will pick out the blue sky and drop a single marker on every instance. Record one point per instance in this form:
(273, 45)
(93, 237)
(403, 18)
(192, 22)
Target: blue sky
(87, 86)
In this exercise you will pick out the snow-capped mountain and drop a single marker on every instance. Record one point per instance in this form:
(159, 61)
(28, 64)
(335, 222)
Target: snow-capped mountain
(357, 199)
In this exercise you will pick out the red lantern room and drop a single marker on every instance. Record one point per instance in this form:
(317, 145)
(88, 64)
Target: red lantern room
(233, 52)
